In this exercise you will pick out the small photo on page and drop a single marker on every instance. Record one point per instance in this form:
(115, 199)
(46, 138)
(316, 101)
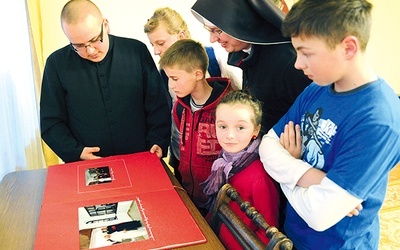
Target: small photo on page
(98, 175)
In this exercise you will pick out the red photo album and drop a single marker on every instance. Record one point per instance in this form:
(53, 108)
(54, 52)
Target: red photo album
(116, 202)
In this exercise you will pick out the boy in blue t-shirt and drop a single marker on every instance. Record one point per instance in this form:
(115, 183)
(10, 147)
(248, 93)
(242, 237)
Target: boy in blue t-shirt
(345, 127)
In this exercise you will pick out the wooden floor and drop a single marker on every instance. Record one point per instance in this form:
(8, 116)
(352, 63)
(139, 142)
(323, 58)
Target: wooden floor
(390, 213)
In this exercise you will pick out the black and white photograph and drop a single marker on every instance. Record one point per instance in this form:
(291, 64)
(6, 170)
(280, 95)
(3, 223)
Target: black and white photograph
(99, 175)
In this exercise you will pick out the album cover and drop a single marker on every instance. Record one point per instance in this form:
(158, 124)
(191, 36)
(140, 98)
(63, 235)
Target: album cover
(116, 202)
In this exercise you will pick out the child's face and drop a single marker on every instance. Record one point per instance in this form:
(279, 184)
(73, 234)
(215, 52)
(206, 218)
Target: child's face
(234, 126)
(180, 81)
(161, 40)
(320, 63)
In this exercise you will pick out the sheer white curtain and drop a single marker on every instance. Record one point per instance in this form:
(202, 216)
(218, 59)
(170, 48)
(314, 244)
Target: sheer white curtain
(20, 144)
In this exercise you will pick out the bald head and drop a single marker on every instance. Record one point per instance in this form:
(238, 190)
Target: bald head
(76, 11)
(84, 26)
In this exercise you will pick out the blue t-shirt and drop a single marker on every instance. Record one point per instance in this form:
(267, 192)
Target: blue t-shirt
(355, 138)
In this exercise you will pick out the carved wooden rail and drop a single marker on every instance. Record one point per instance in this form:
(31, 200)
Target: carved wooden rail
(222, 213)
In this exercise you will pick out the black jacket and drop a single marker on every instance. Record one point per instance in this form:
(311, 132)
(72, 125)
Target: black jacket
(118, 104)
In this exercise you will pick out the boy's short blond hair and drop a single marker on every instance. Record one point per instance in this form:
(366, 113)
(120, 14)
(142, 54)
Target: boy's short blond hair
(185, 54)
(330, 20)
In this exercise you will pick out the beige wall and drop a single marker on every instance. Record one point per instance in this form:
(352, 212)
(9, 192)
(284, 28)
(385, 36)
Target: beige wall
(127, 18)
(383, 49)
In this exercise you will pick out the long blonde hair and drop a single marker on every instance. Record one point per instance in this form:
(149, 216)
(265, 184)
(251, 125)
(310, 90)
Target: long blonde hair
(171, 19)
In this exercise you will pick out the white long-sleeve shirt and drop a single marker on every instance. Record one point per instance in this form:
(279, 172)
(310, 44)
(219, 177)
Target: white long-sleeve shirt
(320, 206)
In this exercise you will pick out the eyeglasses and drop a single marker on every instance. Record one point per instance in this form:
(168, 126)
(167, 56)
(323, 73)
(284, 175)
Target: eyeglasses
(213, 30)
(80, 47)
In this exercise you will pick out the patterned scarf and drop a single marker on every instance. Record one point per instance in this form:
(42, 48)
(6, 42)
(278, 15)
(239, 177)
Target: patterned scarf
(225, 167)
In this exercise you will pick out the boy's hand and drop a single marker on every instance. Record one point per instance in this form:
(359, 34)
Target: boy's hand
(355, 211)
(291, 139)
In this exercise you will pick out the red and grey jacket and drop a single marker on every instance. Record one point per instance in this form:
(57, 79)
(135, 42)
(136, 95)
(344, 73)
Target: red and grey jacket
(198, 142)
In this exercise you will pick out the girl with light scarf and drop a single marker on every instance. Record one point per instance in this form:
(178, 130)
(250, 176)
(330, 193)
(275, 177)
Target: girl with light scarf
(238, 123)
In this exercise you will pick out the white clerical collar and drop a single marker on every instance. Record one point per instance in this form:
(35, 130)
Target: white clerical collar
(247, 50)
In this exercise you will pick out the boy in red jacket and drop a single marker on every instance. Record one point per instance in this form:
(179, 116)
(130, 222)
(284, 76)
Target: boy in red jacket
(185, 63)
